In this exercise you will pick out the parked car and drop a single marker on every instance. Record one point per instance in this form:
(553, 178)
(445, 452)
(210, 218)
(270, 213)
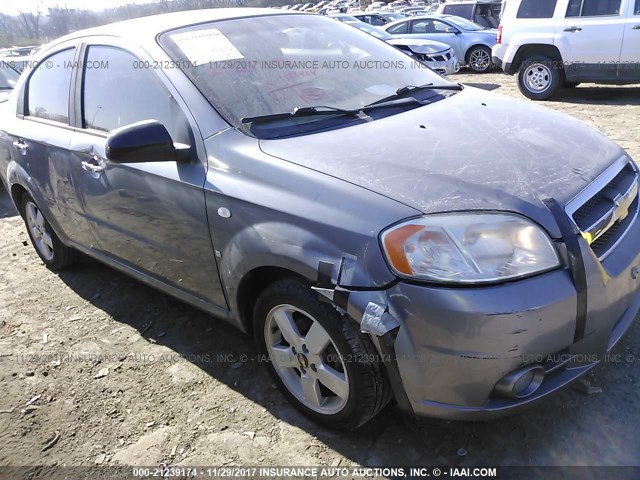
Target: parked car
(18, 63)
(485, 13)
(375, 6)
(349, 222)
(378, 18)
(470, 42)
(344, 18)
(560, 43)
(439, 57)
(8, 79)
(410, 10)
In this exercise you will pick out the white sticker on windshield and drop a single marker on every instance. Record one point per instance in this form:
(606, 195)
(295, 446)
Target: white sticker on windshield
(205, 46)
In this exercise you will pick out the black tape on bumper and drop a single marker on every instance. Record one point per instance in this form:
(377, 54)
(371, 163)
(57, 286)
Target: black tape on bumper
(571, 238)
(387, 348)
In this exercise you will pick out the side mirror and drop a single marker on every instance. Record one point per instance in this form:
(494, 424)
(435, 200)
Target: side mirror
(452, 30)
(146, 141)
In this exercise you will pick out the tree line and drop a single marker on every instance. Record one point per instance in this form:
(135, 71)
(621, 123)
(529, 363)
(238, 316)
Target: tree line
(45, 24)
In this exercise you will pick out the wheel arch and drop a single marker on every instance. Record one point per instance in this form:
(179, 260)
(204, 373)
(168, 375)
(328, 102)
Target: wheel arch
(471, 47)
(526, 51)
(252, 284)
(17, 192)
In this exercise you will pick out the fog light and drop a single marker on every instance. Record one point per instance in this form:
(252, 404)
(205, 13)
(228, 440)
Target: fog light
(521, 383)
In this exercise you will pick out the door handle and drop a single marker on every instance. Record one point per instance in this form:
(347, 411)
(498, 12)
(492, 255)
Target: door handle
(21, 146)
(90, 167)
(636, 27)
(573, 29)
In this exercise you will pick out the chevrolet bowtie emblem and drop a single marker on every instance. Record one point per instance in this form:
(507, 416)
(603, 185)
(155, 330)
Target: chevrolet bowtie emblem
(620, 209)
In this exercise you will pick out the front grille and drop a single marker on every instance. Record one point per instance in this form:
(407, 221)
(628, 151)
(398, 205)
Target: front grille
(607, 208)
(608, 240)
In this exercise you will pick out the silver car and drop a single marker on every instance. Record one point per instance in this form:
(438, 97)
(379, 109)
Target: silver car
(471, 42)
(439, 57)
(328, 195)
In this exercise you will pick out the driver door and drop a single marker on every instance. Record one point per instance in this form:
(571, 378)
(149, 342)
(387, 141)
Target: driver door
(149, 216)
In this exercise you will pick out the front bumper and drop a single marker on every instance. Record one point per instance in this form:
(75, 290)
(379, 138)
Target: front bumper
(442, 66)
(453, 345)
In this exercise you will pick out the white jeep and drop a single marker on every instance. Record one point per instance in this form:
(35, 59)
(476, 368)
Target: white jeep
(560, 43)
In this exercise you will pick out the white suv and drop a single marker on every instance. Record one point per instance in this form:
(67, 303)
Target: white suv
(556, 43)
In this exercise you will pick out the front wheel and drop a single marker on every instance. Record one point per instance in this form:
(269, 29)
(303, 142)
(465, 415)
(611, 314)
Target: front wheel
(539, 78)
(318, 359)
(48, 246)
(479, 59)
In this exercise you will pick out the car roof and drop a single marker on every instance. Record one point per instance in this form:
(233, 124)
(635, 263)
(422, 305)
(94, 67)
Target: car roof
(148, 28)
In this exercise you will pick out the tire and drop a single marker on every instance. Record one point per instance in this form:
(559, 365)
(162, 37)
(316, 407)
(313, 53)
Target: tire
(479, 59)
(322, 364)
(539, 78)
(46, 243)
(570, 84)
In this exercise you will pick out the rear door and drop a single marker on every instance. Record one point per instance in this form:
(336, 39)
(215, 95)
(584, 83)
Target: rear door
(630, 56)
(590, 38)
(40, 137)
(148, 216)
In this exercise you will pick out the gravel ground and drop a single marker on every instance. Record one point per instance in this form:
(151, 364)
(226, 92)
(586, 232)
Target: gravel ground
(117, 373)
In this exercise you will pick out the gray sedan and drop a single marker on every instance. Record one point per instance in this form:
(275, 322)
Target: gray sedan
(471, 43)
(325, 193)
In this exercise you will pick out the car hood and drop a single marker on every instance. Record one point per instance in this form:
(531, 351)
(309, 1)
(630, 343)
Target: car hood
(473, 151)
(426, 47)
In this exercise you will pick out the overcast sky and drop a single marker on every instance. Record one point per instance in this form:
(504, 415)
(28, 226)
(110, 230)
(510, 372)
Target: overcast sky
(12, 7)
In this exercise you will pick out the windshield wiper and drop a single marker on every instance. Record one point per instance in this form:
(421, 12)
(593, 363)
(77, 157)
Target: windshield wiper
(402, 91)
(322, 110)
(301, 112)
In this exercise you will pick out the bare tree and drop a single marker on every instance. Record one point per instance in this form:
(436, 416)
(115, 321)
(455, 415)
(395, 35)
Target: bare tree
(60, 18)
(31, 22)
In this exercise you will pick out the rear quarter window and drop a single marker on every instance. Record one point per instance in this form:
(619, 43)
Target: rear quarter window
(593, 8)
(465, 11)
(536, 9)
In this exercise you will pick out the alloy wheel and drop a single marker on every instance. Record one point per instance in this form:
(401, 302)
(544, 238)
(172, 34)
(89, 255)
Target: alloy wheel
(39, 232)
(306, 359)
(480, 60)
(537, 77)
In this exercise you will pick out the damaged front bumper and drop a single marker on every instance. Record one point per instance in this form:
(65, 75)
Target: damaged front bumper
(451, 347)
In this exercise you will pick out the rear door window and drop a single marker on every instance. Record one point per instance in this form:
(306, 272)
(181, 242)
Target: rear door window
(400, 28)
(537, 9)
(48, 87)
(593, 8)
(637, 9)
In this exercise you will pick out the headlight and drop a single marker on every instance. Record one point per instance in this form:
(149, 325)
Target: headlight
(468, 248)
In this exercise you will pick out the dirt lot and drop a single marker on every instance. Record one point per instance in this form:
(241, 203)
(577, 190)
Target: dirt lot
(124, 377)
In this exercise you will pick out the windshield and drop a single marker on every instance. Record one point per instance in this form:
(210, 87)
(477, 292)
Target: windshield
(8, 76)
(251, 67)
(464, 24)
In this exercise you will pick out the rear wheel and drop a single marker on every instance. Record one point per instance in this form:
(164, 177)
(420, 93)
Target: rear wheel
(539, 78)
(479, 59)
(48, 246)
(318, 359)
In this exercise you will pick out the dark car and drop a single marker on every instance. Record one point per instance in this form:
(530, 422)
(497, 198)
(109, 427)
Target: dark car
(337, 201)
(8, 78)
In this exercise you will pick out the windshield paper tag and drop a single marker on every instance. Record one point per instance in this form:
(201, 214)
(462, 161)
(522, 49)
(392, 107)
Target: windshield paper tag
(205, 46)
